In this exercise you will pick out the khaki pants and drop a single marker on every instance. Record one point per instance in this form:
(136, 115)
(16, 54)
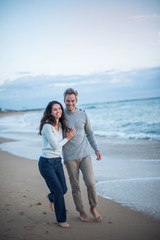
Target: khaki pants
(73, 168)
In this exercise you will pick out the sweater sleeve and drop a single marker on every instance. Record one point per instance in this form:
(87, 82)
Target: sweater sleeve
(51, 137)
(90, 135)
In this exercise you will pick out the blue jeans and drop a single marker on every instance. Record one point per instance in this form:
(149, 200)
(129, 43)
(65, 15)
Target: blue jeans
(52, 171)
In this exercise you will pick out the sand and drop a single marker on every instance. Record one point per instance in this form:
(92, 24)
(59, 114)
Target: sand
(25, 212)
(10, 113)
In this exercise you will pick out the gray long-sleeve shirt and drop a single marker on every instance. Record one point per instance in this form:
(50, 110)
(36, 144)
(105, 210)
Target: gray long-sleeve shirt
(78, 147)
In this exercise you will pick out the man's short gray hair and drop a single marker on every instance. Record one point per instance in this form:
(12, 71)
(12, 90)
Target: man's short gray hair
(70, 91)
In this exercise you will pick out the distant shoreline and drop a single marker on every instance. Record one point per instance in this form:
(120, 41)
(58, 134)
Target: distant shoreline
(10, 113)
(15, 111)
(5, 113)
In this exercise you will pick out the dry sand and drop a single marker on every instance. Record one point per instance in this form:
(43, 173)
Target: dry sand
(10, 113)
(25, 212)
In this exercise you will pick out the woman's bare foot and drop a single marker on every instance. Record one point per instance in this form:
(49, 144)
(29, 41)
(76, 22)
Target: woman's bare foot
(64, 225)
(96, 216)
(84, 217)
(50, 204)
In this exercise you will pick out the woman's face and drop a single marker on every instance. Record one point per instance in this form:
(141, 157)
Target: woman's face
(56, 111)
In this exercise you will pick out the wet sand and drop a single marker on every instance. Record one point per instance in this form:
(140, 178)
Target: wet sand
(25, 212)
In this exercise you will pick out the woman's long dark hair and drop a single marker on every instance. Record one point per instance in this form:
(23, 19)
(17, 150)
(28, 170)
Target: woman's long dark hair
(48, 118)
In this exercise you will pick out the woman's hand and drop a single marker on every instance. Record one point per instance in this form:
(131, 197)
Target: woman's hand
(71, 133)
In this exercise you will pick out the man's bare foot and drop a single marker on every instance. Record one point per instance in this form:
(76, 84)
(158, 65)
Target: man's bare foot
(84, 217)
(64, 225)
(50, 204)
(96, 216)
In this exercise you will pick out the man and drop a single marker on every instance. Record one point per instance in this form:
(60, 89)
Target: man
(76, 155)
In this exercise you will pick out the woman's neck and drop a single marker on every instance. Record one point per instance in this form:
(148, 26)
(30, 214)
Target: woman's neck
(56, 126)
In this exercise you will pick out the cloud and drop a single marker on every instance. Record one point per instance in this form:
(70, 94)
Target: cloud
(23, 73)
(145, 17)
(117, 79)
(33, 92)
(70, 84)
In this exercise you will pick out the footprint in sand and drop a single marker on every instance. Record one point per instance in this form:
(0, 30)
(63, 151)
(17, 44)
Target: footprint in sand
(7, 230)
(37, 204)
(10, 220)
(28, 227)
(8, 204)
(21, 213)
(110, 221)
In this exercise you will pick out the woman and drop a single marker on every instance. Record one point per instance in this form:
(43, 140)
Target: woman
(51, 128)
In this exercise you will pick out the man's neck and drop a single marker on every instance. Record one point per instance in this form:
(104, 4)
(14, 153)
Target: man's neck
(72, 110)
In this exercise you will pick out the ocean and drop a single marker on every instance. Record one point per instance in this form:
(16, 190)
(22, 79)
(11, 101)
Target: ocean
(128, 134)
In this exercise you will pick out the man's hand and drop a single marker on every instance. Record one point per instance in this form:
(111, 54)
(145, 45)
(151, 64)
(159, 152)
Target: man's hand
(99, 157)
(70, 134)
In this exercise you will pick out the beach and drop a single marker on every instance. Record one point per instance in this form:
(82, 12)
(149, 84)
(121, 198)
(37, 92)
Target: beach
(25, 212)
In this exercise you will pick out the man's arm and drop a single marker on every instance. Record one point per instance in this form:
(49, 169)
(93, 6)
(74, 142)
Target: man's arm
(91, 138)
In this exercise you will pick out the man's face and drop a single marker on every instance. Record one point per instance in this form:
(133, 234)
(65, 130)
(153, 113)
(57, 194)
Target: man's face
(70, 102)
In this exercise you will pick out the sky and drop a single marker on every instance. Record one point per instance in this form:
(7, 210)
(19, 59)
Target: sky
(84, 38)
(77, 37)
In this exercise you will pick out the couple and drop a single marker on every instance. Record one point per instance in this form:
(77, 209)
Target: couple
(74, 124)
